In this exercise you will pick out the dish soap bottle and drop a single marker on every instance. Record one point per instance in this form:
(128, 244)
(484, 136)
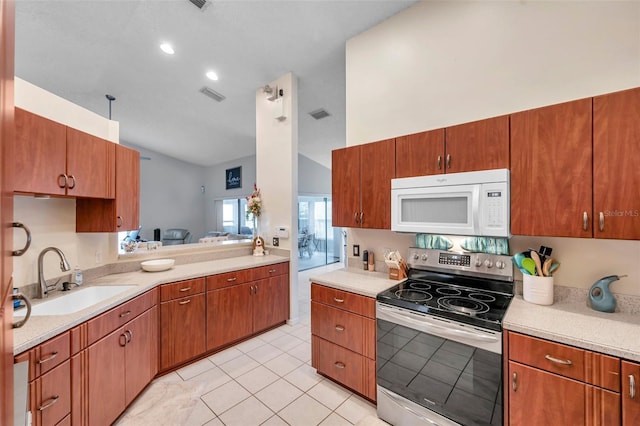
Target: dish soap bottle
(77, 275)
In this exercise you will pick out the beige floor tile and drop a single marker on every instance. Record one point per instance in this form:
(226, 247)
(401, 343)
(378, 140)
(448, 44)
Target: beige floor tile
(304, 411)
(171, 377)
(194, 369)
(304, 377)
(302, 331)
(238, 366)
(286, 342)
(275, 421)
(215, 422)
(200, 415)
(224, 397)
(264, 353)
(271, 335)
(329, 394)
(302, 351)
(257, 379)
(249, 345)
(248, 412)
(355, 409)
(278, 395)
(211, 379)
(335, 420)
(283, 364)
(225, 356)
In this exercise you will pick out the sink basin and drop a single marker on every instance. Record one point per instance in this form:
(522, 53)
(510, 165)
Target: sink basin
(74, 301)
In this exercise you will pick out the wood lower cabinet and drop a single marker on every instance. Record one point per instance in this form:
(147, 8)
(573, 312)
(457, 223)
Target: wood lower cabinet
(229, 315)
(343, 329)
(270, 302)
(630, 393)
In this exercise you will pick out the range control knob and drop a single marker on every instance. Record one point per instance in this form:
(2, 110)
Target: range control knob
(500, 264)
(478, 262)
(488, 263)
(424, 257)
(416, 256)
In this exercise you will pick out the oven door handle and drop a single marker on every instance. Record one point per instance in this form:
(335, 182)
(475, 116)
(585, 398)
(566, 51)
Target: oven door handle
(399, 403)
(443, 331)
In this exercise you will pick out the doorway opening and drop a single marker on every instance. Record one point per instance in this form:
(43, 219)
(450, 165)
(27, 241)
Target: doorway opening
(318, 242)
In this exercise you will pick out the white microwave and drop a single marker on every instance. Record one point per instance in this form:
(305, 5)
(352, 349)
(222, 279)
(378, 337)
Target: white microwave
(470, 203)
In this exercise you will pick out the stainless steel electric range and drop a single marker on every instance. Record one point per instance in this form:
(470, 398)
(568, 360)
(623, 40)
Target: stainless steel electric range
(439, 340)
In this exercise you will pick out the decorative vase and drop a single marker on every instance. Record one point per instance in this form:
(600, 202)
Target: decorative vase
(255, 226)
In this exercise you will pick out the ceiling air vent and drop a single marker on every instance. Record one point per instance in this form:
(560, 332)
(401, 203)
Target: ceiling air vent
(200, 4)
(212, 94)
(319, 114)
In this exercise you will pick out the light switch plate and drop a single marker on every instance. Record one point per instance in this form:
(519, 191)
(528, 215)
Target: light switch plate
(356, 250)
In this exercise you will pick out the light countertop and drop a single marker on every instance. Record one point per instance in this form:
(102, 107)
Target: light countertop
(356, 281)
(41, 328)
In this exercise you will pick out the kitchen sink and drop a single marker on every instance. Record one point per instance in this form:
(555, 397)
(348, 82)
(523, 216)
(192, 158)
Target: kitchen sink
(74, 301)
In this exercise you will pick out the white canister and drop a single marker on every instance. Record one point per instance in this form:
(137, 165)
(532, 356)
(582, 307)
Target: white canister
(538, 290)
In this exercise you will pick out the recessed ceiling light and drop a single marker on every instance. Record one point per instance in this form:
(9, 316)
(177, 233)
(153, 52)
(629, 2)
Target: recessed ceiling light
(212, 75)
(166, 48)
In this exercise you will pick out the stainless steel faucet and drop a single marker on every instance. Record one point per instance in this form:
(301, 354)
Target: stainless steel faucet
(43, 288)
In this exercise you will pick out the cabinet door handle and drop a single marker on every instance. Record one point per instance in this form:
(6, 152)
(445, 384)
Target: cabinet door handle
(121, 342)
(28, 244)
(256, 289)
(339, 364)
(361, 218)
(448, 163)
(124, 314)
(251, 290)
(558, 361)
(231, 279)
(130, 335)
(601, 221)
(355, 217)
(185, 289)
(119, 221)
(72, 179)
(514, 382)
(51, 356)
(632, 386)
(64, 181)
(52, 401)
(335, 299)
(439, 162)
(585, 221)
(184, 302)
(339, 328)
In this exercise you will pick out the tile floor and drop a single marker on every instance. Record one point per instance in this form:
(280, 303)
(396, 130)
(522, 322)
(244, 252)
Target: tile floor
(267, 380)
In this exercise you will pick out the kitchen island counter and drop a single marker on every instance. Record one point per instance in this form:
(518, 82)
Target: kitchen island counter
(356, 281)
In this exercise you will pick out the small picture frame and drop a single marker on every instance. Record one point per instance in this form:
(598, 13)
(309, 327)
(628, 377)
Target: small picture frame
(233, 178)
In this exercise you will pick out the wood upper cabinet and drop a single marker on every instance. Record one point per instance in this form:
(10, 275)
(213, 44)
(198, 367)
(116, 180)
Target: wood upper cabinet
(90, 165)
(630, 393)
(551, 170)
(616, 155)
(479, 145)
(121, 213)
(361, 185)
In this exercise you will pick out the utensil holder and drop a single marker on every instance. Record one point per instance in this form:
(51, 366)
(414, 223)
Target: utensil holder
(538, 290)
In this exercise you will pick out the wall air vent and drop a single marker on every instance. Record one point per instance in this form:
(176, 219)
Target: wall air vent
(212, 94)
(319, 114)
(200, 4)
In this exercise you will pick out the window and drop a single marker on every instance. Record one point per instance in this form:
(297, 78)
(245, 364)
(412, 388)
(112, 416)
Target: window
(234, 217)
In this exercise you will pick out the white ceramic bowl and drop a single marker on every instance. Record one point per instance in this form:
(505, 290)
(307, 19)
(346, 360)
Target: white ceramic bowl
(157, 265)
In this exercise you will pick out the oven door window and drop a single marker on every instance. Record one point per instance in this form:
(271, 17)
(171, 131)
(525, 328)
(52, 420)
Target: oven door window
(458, 381)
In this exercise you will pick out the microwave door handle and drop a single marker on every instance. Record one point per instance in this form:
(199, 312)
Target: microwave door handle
(443, 331)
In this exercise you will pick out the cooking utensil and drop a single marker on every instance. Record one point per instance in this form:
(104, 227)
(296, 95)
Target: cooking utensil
(554, 267)
(529, 265)
(546, 267)
(536, 259)
(517, 260)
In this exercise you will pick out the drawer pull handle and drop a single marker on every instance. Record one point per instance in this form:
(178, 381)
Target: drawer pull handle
(232, 279)
(52, 401)
(185, 289)
(48, 358)
(335, 299)
(184, 302)
(339, 328)
(271, 271)
(514, 382)
(124, 314)
(632, 386)
(559, 361)
(339, 364)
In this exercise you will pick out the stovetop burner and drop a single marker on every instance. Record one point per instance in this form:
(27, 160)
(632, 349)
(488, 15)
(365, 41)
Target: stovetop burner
(413, 295)
(462, 304)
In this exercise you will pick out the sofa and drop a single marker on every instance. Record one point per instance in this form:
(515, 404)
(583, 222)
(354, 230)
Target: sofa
(175, 236)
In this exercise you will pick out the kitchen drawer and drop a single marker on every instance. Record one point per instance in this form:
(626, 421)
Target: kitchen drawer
(50, 396)
(181, 289)
(270, 270)
(227, 279)
(340, 364)
(104, 324)
(586, 366)
(352, 302)
(343, 328)
(47, 355)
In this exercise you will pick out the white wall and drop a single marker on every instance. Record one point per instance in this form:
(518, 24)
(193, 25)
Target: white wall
(277, 172)
(52, 221)
(313, 177)
(170, 194)
(442, 63)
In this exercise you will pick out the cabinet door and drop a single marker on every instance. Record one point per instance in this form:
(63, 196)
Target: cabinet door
(480, 145)
(630, 393)
(378, 167)
(229, 315)
(127, 188)
(270, 302)
(182, 330)
(90, 165)
(141, 335)
(551, 170)
(39, 154)
(106, 378)
(420, 154)
(345, 186)
(51, 396)
(540, 398)
(616, 155)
